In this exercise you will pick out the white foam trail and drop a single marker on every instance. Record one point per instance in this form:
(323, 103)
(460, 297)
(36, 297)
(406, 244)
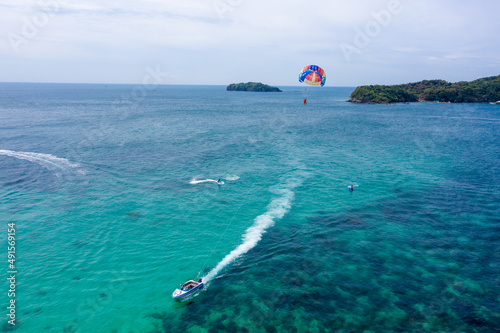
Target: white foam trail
(194, 181)
(48, 161)
(275, 210)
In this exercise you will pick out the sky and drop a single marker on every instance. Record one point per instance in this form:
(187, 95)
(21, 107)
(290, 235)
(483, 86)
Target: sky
(219, 42)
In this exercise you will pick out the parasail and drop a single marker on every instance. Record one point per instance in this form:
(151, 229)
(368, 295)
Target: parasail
(313, 75)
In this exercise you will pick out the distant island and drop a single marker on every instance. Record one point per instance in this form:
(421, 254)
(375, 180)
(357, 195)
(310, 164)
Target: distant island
(485, 90)
(252, 86)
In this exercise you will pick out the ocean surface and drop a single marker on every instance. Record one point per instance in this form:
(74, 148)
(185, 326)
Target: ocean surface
(112, 192)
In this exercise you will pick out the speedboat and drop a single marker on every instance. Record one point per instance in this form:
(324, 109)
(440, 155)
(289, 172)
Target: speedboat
(187, 289)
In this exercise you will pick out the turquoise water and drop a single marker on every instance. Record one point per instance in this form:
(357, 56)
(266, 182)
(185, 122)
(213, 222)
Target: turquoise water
(109, 187)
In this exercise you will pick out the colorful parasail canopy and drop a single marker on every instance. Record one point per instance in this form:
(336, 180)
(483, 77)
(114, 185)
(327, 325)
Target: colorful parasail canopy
(313, 75)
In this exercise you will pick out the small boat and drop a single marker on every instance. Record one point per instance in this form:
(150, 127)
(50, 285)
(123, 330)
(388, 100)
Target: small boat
(187, 289)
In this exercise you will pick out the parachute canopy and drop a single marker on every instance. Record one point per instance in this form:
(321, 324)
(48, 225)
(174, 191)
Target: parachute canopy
(313, 75)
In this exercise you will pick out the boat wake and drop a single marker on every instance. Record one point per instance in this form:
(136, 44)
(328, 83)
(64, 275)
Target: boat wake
(48, 161)
(275, 211)
(194, 181)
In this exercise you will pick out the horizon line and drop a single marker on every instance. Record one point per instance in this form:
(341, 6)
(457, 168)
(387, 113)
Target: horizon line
(158, 84)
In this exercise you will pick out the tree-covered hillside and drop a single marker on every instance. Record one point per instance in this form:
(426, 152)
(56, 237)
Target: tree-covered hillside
(252, 86)
(478, 91)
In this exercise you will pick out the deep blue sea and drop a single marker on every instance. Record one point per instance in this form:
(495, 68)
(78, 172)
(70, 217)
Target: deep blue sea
(112, 192)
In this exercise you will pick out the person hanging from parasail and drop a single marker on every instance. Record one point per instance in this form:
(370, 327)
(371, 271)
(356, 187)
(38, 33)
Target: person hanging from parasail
(312, 75)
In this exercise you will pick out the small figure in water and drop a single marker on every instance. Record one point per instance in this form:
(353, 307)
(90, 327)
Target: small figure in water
(305, 100)
(351, 188)
(218, 181)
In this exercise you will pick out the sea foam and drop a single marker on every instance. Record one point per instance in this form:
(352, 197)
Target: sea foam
(48, 161)
(275, 211)
(194, 181)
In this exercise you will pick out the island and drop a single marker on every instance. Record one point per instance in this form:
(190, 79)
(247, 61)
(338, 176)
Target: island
(484, 90)
(252, 86)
